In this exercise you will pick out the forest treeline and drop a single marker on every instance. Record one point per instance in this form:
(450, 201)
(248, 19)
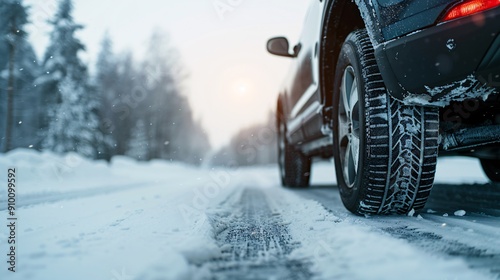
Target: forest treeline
(125, 107)
(254, 145)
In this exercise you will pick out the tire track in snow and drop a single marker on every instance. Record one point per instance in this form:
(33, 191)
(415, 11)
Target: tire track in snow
(477, 258)
(481, 203)
(256, 243)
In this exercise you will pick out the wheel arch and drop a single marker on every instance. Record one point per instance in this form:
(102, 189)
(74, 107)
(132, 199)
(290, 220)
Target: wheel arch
(337, 13)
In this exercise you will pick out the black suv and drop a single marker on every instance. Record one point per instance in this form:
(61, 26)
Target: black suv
(384, 86)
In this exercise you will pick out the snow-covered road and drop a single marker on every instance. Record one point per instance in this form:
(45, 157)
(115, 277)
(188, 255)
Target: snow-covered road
(158, 220)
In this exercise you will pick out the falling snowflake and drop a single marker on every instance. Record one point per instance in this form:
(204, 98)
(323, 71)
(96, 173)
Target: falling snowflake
(451, 45)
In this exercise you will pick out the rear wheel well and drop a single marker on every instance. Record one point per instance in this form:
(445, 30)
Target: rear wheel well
(343, 17)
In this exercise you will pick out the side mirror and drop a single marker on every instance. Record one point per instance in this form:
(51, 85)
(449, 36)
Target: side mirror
(279, 46)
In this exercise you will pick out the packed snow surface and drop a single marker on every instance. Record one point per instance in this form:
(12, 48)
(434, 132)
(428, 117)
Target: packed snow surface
(79, 219)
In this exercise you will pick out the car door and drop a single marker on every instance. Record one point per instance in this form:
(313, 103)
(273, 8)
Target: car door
(304, 97)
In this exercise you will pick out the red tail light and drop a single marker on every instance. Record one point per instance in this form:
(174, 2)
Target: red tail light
(470, 7)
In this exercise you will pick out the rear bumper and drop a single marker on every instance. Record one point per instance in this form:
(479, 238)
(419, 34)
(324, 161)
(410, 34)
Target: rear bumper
(444, 63)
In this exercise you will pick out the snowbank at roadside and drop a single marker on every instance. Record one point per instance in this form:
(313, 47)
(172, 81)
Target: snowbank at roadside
(42, 172)
(46, 172)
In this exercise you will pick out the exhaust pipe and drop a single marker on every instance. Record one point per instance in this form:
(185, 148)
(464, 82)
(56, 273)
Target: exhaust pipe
(471, 137)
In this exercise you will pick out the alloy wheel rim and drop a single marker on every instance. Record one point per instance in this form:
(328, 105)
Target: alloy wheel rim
(349, 126)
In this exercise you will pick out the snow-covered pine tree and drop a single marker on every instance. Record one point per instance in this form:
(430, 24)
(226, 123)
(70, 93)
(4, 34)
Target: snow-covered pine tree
(13, 17)
(138, 146)
(72, 127)
(71, 104)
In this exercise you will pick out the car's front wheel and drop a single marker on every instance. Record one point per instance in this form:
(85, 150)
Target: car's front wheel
(491, 168)
(385, 152)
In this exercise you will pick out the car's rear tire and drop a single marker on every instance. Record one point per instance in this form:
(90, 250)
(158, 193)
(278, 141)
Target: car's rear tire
(295, 167)
(491, 168)
(385, 152)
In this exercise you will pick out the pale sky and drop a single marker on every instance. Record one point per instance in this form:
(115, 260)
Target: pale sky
(233, 82)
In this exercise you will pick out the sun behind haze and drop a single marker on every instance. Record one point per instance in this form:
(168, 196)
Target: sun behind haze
(232, 81)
